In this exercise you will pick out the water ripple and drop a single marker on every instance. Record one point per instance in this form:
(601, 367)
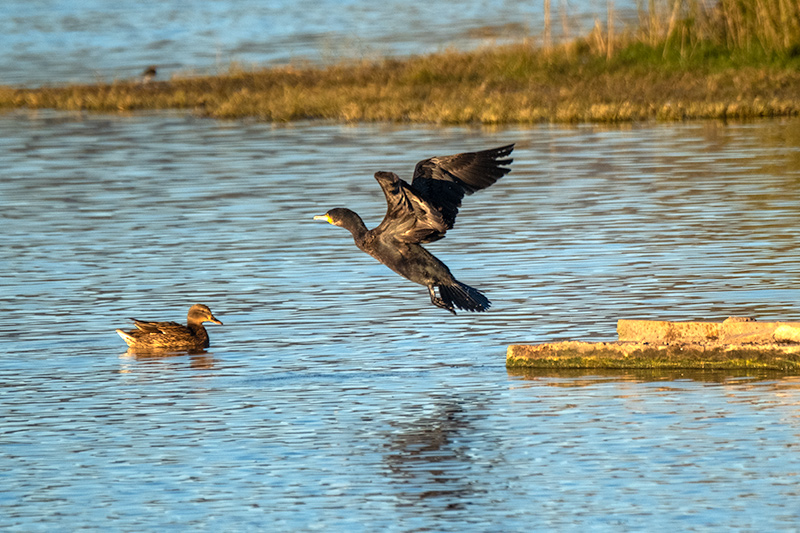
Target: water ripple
(335, 395)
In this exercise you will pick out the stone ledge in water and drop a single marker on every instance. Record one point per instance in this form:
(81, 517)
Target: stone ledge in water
(734, 343)
(575, 354)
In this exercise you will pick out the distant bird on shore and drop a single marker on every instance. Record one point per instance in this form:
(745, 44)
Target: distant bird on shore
(149, 74)
(421, 213)
(171, 335)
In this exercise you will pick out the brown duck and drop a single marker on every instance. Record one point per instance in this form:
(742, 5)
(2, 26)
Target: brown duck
(171, 335)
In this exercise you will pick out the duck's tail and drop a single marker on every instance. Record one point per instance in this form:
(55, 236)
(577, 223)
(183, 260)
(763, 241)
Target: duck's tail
(127, 337)
(464, 297)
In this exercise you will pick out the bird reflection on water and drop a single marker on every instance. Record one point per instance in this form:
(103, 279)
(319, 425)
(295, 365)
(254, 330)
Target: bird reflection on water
(434, 452)
(161, 363)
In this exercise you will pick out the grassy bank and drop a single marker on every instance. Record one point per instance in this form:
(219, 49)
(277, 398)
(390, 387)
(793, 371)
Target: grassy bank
(734, 59)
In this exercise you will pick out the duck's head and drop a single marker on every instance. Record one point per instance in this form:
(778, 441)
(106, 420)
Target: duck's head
(200, 313)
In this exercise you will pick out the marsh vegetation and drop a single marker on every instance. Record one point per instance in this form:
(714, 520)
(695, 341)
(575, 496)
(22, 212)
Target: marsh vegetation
(682, 59)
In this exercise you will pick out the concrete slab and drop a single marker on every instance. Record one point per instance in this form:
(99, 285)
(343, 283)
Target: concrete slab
(734, 343)
(734, 330)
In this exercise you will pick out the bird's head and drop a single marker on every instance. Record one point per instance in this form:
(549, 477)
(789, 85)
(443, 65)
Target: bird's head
(338, 217)
(200, 313)
(344, 218)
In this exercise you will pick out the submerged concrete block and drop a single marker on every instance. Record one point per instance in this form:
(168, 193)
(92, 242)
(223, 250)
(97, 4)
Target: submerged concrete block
(574, 354)
(734, 343)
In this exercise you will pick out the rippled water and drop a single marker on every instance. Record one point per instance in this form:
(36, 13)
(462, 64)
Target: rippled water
(335, 396)
(45, 42)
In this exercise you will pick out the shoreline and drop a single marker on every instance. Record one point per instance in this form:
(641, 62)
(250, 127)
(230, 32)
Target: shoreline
(511, 85)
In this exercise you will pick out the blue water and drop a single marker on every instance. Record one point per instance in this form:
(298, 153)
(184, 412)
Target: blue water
(49, 41)
(335, 396)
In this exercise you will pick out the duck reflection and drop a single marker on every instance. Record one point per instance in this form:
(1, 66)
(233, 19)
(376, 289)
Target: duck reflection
(160, 361)
(431, 460)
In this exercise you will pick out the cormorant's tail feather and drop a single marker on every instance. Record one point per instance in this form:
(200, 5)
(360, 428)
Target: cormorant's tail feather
(464, 297)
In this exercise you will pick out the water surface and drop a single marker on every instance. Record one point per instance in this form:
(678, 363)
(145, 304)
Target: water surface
(335, 396)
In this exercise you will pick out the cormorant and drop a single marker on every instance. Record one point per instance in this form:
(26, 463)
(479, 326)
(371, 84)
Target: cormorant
(421, 213)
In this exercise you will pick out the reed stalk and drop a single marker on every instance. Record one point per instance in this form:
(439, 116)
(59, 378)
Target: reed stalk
(610, 29)
(547, 36)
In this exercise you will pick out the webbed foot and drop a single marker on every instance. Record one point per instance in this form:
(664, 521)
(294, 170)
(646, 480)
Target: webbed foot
(438, 302)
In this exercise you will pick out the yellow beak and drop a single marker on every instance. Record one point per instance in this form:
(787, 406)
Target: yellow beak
(326, 217)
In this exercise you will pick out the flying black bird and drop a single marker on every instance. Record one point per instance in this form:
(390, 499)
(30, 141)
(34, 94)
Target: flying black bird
(421, 213)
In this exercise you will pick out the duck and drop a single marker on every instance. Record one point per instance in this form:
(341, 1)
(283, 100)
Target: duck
(149, 74)
(171, 335)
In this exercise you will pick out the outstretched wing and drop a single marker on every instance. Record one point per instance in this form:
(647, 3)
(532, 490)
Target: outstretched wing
(409, 217)
(442, 182)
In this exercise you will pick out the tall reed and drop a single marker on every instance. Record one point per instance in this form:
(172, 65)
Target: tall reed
(753, 27)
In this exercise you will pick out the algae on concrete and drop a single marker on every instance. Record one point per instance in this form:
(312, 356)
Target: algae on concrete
(582, 377)
(732, 344)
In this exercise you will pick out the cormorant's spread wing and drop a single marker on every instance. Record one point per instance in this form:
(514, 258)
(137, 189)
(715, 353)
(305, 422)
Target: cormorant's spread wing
(409, 217)
(443, 181)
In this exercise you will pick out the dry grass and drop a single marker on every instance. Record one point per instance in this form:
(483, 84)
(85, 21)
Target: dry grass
(761, 26)
(736, 59)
